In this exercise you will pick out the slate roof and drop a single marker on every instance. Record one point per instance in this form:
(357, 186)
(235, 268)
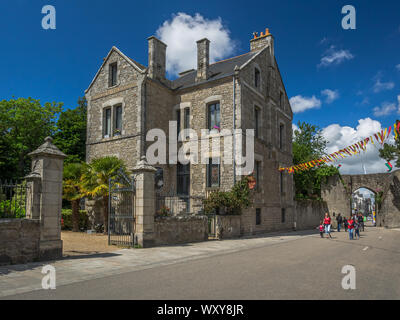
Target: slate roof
(218, 70)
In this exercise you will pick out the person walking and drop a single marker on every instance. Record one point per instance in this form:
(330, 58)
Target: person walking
(361, 221)
(351, 227)
(339, 222)
(356, 228)
(345, 224)
(327, 225)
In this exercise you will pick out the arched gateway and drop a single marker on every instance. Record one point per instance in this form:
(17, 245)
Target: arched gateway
(337, 191)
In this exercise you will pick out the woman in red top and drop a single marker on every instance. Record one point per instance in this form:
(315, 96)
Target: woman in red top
(350, 221)
(327, 224)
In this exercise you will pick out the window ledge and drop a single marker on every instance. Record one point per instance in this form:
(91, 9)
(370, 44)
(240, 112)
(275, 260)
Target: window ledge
(112, 87)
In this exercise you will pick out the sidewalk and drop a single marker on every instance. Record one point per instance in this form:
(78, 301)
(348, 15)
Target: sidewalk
(16, 279)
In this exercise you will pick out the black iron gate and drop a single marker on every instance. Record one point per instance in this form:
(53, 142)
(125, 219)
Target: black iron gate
(121, 218)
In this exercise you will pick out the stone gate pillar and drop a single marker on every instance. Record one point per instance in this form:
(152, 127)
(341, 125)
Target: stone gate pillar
(144, 203)
(47, 164)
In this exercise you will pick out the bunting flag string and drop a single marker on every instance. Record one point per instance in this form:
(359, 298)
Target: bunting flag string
(349, 151)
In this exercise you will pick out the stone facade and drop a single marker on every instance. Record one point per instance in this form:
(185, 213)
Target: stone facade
(240, 85)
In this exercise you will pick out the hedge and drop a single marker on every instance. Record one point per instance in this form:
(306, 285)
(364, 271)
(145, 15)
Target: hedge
(66, 222)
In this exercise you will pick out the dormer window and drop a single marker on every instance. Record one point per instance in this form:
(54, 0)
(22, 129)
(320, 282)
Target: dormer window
(112, 76)
(256, 78)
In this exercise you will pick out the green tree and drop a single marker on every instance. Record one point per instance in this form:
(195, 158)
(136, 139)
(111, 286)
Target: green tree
(71, 132)
(72, 189)
(24, 123)
(96, 180)
(391, 152)
(309, 144)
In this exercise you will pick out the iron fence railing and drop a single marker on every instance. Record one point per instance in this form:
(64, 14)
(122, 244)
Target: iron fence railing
(13, 197)
(172, 204)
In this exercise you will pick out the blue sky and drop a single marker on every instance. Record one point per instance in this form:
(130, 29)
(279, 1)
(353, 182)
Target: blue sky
(58, 65)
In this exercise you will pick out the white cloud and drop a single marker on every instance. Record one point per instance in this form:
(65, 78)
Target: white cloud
(294, 128)
(387, 108)
(331, 95)
(398, 67)
(342, 136)
(335, 57)
(301, 104)
(181, 33)
(381, 86)
(384, 110)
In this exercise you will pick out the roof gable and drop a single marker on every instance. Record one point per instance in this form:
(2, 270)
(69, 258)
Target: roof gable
(139, 67)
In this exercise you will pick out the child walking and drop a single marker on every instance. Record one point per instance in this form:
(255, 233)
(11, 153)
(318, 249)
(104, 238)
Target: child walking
(321, 229)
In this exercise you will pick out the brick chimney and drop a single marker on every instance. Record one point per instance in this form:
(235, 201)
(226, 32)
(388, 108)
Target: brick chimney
(261, 41)
(157, 58)
(203, 59)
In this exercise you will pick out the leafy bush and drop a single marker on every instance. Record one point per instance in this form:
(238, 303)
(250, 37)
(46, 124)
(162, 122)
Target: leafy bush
(66, 222)
(229, 202)
(12, 209)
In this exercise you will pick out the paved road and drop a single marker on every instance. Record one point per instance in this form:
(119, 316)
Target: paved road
(306, 268)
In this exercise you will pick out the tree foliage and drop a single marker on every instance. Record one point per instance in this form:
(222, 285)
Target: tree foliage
(95, 179)
(72, 189)
(391, 152)
(24, 123)
(309, 144)
(70, 137)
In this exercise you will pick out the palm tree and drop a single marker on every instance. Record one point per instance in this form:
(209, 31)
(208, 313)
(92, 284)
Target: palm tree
(72, 190)
(96, 180)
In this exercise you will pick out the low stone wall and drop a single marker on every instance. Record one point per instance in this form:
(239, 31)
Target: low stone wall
(227, 226)
(19, 240)
(309, 213)
(180, 229)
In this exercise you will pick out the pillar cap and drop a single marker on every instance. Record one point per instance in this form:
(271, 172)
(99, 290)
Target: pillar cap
(142, 165)
(48, 149)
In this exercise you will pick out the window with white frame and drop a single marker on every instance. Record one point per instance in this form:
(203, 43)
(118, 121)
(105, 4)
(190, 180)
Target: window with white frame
(107, 122)
(213, 116)
(118, 120)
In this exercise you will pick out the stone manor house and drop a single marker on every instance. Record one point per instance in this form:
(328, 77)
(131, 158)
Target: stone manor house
(126, 99)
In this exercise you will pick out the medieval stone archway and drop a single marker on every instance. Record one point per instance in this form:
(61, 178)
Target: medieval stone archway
(337, 192)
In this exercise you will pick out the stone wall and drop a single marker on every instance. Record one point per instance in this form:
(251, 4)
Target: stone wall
(19, 240)
(309, 213)
(227, 226)
(337, 194)
(180, 229)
